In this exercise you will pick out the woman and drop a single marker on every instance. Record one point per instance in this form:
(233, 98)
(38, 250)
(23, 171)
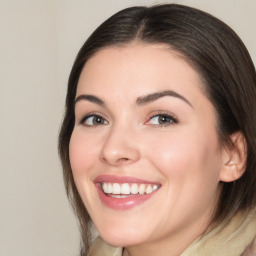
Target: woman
(158, 142)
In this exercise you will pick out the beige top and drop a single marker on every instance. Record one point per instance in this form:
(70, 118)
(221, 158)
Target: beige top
(233, 239)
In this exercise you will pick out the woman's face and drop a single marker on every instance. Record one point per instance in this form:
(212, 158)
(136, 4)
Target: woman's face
(144, 150)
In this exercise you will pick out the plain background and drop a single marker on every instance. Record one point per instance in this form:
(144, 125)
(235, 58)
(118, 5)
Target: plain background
(38, 43)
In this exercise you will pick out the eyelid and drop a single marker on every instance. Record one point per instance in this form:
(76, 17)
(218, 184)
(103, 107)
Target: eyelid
(88, 115)
(162, 113)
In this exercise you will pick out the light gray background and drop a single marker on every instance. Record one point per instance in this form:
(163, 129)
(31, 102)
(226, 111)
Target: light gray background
(38, 42)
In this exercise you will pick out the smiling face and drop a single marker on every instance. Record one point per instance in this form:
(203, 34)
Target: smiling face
(146, 135)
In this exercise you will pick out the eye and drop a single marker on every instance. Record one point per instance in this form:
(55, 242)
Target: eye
(162, 120)
(93, 120)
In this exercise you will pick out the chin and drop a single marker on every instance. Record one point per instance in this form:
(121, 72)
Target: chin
(121, 237)
(120, 240)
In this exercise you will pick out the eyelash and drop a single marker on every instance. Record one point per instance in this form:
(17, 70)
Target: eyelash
(172, 120)
(93, 115)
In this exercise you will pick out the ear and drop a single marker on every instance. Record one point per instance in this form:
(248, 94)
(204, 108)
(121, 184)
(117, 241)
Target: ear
(234, 158)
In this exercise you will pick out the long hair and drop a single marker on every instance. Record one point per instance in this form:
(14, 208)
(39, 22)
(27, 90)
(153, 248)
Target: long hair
(224, 65)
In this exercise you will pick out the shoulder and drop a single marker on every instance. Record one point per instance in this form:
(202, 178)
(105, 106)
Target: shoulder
(234, 238)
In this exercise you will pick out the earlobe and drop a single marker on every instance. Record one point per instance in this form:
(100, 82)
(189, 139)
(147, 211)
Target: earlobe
(234, 158)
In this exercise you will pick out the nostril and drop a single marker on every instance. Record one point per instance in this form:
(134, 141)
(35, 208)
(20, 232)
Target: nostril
(123, 159)
(114, 159)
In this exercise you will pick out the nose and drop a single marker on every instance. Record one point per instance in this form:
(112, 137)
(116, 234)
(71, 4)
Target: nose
(120, 148)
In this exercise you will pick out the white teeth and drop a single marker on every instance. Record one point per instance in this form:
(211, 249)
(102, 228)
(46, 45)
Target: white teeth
(119, 190)
(149, 189)
(125, 189)
(155, 187)
(110, 189)
(134, 189)
(105, 187)
(118, 196)
(116, 189)
(142, 189)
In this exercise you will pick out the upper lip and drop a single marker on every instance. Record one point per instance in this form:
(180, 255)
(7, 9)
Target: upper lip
(121, 179)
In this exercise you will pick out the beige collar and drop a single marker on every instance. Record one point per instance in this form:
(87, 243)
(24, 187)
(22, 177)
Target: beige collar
(228, 239)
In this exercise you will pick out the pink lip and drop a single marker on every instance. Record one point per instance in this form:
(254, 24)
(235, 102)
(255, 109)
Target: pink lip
(121, 203)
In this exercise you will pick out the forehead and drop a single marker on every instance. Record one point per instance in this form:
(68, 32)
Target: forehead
(138, 66)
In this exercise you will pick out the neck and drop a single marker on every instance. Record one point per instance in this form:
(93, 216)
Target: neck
(174, 245)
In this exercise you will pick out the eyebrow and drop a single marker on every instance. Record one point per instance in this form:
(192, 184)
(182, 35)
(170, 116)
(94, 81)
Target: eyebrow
(90, 98)
(140, 100)
(157, 95)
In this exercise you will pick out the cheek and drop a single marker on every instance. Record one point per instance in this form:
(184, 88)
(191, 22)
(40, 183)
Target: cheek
(189, 166)
(184, 157)
(82, 153)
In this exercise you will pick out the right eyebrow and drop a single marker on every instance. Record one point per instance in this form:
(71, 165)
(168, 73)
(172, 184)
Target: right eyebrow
(90, 98)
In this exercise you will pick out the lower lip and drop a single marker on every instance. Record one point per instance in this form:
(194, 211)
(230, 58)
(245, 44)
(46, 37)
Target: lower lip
(122, 203)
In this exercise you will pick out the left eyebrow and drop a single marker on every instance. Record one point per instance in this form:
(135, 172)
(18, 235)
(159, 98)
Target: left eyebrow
(157, 95)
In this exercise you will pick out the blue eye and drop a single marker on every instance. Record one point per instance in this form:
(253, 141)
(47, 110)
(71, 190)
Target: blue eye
(162, 120)
(93, 120)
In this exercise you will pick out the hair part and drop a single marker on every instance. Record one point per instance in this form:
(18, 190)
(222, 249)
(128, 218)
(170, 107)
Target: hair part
(224, 65)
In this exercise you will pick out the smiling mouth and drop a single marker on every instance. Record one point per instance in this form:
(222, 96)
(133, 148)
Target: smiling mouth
(124, 190)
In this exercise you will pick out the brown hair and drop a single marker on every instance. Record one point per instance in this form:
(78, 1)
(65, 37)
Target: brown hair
(226, 69)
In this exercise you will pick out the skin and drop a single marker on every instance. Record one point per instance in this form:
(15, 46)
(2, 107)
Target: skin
(251, 249)
(185, 157)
